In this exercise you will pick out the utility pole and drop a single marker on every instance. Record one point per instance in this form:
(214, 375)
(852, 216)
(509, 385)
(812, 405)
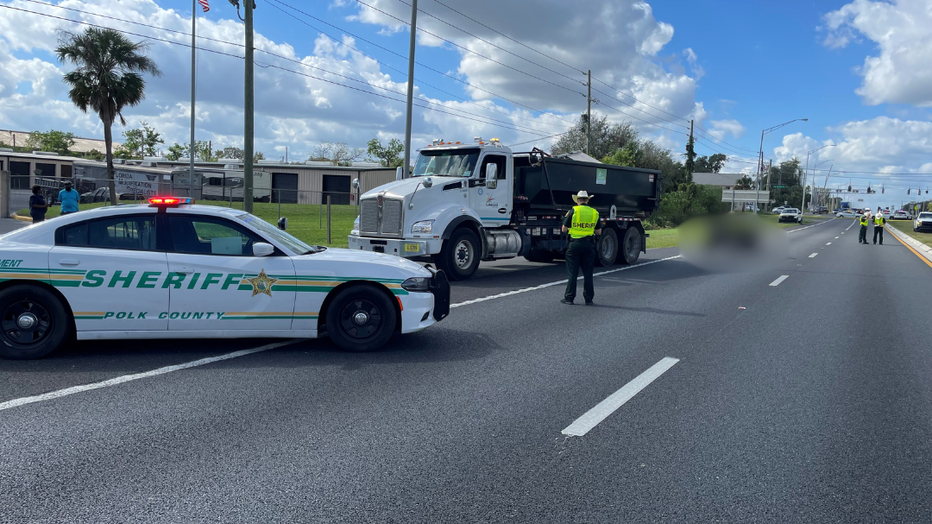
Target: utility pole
(690, 154)
(588, 108)
(193, 73)
(405, 168)
(249, 112)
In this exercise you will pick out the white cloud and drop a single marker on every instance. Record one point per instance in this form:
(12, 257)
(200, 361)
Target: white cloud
(721, 128)
(901, 72)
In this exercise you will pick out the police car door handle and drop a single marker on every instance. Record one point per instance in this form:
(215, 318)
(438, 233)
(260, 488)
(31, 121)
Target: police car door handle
(69, 262)
(184, 270)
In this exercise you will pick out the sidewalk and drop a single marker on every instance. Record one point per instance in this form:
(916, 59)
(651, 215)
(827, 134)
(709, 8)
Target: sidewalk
(920, 248)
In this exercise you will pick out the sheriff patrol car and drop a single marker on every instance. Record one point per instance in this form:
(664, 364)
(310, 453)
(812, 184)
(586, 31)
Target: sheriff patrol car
(172, 269)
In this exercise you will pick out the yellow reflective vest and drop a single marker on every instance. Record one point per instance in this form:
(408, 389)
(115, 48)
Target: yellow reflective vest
(878, 220)
(585, 220)
(863, 220)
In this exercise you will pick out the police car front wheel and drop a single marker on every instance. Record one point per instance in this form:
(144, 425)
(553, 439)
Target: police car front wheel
(361, 318)
(33, 322)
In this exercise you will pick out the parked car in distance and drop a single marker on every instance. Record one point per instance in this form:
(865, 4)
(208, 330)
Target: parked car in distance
(790, 214)
(778, 210)
(923, 222)
(901, 215)
(821, 210)
(846, 213)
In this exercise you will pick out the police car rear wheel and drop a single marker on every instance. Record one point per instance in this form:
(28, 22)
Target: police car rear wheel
(360, 318)
(33, 323)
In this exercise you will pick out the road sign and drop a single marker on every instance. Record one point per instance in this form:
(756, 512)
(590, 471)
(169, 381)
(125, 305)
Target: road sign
(778, 187)
(745, 195)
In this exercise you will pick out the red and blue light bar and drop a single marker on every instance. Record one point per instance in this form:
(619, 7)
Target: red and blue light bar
(170, 201)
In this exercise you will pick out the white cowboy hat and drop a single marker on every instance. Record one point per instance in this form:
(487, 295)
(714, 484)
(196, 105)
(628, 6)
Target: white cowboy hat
(582, 194)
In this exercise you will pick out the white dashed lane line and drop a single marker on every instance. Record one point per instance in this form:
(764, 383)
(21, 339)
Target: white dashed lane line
(777, 282)
(602, 410)
(813, 255)
(828, 243)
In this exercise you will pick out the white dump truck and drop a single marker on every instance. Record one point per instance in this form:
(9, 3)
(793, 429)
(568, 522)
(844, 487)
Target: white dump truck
(466, 203)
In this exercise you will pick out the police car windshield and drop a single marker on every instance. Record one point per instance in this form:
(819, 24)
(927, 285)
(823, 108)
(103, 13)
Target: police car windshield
(273, 233)
(459, 162)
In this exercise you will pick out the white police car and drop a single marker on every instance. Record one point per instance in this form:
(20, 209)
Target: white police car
(172, 269)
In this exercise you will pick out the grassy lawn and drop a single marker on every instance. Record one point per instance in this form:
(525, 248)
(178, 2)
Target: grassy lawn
(662, 238)
(309, 222)
(906, 226)
(305, 221)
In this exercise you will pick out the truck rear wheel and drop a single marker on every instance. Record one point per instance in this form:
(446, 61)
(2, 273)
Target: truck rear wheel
(630, 246)
(459, 257)
(606, 249)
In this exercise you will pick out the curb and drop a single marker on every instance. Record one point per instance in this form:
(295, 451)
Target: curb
(23, 219)
(917, 246)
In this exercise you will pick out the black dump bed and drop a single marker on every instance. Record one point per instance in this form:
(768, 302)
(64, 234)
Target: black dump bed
(549, 185)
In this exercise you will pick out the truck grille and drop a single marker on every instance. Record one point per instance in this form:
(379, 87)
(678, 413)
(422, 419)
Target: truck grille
(388, 223)
(369, 216)
(391, 217)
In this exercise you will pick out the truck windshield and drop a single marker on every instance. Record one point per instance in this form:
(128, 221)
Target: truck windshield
(447, 163)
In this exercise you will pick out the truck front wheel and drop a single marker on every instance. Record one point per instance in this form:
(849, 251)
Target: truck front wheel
(459, 257)
(607, 247)
(630, 246)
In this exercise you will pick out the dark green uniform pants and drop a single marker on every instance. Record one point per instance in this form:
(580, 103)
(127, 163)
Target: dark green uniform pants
(581, 253)
(862, 236)
(878, 230)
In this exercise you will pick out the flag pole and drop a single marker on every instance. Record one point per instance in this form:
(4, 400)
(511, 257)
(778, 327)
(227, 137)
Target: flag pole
(193, 73)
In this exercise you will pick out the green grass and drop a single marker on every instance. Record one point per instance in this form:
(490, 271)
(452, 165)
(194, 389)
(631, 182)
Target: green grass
(305, 221)
(906, 226)
(662, 238)
(309, 222)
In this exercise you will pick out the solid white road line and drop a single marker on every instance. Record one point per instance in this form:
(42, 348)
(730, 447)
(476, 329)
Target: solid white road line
(777, 282)
(557, 283)
(813, 225)
(128, 378)
(603, 409)
(813, 255)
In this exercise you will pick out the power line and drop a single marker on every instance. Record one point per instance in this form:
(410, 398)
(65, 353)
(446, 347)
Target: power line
(425, 66)
(47, 15)
(402, 73)
(470, 50)
(490, 43)
(538, 139)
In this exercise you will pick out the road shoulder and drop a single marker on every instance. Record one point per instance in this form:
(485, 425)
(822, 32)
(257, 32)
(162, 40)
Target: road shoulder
(919, 248)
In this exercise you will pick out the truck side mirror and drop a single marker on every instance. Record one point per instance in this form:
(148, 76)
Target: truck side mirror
(355, 183)
(491, 176)
(283, 223)
(399, 172)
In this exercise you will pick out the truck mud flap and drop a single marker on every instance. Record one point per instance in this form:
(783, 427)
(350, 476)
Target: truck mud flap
(440, 287)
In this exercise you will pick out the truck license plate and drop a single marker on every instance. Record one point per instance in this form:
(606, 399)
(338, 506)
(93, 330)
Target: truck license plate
(411, 247)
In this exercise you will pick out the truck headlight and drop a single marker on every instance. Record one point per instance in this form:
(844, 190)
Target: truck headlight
(355, 230)
(423, 227)
(416, 284)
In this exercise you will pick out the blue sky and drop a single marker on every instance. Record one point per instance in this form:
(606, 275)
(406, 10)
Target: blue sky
(857, 70)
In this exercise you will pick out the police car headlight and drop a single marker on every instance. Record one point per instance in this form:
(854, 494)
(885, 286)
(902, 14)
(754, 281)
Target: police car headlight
(423, 227)
(416, 284)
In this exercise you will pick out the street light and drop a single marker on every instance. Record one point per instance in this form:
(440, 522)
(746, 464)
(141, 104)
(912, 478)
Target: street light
(802, 205)
(760, 165)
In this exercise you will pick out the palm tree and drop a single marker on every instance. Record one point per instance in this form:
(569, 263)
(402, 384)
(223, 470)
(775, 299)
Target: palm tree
(107, 78)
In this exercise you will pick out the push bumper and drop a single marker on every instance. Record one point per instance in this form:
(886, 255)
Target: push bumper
(440, 288)
(390, 246)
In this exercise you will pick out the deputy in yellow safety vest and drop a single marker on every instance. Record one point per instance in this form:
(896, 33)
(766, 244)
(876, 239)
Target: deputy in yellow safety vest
(879, 221)
(862, 236)
(582, 223)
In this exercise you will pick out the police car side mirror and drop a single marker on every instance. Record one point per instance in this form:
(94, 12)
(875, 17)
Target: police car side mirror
(262, 249)
(491, 176)
(283, 223)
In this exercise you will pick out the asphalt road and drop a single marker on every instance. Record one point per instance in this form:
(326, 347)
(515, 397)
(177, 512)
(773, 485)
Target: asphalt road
(797, 399)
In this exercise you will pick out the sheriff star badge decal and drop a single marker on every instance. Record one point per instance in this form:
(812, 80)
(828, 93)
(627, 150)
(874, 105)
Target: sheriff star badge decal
(262, 284)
